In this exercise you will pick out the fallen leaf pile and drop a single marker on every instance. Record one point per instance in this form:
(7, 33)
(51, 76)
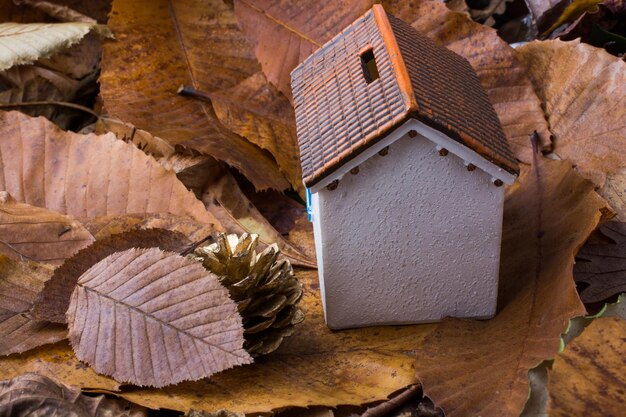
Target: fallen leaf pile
(154, 238)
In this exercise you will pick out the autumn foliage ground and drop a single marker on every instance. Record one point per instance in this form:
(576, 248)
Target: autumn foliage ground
(132, 170)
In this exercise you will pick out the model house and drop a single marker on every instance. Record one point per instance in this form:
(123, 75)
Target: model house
(405, 161)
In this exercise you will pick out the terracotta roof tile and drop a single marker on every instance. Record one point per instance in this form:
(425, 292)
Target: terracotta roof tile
(339, 114)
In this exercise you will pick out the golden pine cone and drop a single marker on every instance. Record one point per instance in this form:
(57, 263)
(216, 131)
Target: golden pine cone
(262, 285)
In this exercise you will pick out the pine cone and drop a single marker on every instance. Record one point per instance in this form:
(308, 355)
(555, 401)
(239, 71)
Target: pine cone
(262, 285)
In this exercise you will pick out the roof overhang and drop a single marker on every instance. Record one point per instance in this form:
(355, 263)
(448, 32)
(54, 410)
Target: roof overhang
(439, 139)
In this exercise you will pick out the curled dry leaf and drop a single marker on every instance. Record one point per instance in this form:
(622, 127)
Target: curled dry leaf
(24, 43)
(86, 175)
(587, 378)
(52, 303)
(20, 282)
(37, 234)
(154, 318)
(256, 110)
(33, 395)
(472, 367)
(225, 200)
(583, 89)
(56, 11)
(199, 45)
(500, 72)
(602, 264)
(150, 144)
(614, 191)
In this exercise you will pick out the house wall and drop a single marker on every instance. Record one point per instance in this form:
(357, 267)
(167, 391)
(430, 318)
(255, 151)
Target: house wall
(413, 237)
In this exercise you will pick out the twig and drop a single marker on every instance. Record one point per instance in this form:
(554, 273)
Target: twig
(52, 103)
(189, 249)
(383, 409)
(187, 91)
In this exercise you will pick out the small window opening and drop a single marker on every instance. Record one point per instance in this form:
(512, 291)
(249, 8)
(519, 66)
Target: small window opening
(368, 63)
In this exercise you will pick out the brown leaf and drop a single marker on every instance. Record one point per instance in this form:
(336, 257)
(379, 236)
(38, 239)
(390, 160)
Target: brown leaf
(583, 89)
(588, 377)
(33, 395)
(34, 233)
(500, 72)
(481, 367)
(103, 227)
(314, 366)
(20, 282)
(199, 44)
(284, 33)
(154, 318)
(225, 200)
(256, 110)
(53, 301)
(614, 191)
(86, 175)
(602, 264)
(150, 144)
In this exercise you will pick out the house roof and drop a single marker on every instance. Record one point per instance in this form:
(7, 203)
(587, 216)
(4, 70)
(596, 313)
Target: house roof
(340, 113)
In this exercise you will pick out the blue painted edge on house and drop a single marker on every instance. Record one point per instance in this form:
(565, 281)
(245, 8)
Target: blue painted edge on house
(308, 204)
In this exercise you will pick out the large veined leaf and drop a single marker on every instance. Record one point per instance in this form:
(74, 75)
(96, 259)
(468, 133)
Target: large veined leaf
(199, 45)
(583, 89)
(470, 367)
(154, 318)
(33, 395)
(37, 234)
(86, 175)
(53, 301)
(24, 43)
(20, 282)
(587, 378)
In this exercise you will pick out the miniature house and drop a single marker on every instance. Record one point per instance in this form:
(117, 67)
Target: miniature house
(404, 159)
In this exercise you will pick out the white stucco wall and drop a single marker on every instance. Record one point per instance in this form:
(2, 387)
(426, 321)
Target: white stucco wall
(413, 237)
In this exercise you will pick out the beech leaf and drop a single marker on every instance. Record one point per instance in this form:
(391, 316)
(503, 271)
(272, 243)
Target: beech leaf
(34, 233)
(54, 300)
(24, 43)
(583, 90)
(588, 378)
(86, 175)
(470, 367)
(200, 46)
(33, 395)
(154, 318)
(602, 264)
(20, 282)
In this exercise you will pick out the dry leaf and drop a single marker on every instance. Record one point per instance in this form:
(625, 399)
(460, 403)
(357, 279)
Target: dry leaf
(57, 11)
(52, 303)
(614, 191)
(225, 200)
(583, 89)
(86, 175)
(602, 264)
(587, 378)
(34, 233)
(150, 144)
(256, 110)
(539, 8)
(314, 366)
(284, 32)
(200, 45)
(24, 43)
(103, 227)
(20, 282)
(33, 395)
(500, 72)
(481, 367)
(154, 318)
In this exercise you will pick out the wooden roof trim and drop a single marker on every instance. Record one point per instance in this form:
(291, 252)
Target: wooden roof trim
(397, 62)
